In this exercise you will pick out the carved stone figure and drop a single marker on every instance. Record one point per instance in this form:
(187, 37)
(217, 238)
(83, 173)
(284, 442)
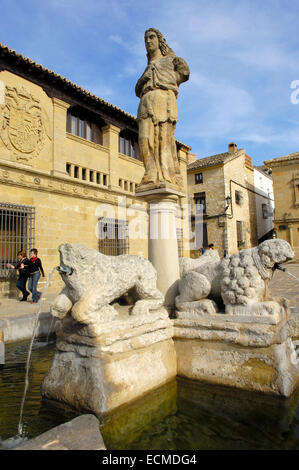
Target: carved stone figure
(107, 355)
(239, 282)
(157, 115)
(97, 280)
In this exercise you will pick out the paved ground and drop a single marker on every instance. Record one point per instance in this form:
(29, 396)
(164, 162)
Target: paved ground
(10, 308)
(284, 285)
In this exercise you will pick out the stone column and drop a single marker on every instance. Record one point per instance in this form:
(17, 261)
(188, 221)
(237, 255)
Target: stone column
(111, 141)
(162, 240)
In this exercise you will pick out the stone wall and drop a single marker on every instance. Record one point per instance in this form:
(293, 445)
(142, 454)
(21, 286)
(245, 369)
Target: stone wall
(286, 196)
(37, 169)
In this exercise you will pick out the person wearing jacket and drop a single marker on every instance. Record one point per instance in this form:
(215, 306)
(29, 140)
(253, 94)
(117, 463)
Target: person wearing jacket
(23, 266)
(35, 271)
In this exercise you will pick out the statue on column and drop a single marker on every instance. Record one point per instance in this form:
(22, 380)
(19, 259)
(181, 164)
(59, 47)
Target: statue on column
(157, 115)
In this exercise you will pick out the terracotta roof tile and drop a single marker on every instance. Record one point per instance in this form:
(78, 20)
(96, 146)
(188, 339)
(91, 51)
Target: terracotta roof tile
(214, 159)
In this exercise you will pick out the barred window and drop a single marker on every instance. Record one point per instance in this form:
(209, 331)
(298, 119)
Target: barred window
(179, 235)
(17, 232)
(198, 178)
(113, 236)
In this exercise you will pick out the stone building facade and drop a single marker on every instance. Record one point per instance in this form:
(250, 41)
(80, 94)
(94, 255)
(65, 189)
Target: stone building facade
(69, 167)
(285, 173)
(224, 185)
(264, 202)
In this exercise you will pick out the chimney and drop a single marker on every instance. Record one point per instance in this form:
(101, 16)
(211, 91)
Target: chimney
(232, 147)
(191, 157)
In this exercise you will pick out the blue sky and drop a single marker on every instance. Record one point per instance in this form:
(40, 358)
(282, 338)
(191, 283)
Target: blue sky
(243, 57)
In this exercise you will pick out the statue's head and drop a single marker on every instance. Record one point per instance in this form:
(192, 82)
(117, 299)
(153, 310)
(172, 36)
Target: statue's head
(163, 46)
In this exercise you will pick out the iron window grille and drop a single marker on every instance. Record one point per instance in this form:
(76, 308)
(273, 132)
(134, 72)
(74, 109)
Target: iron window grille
(179, 235)
(17, 232)
(113, 236)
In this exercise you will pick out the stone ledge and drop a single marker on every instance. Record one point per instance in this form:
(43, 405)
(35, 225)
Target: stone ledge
(82, 433)
(21, 327)
(243, 334)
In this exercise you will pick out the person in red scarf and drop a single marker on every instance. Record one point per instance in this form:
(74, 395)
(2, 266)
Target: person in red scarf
(36, 270)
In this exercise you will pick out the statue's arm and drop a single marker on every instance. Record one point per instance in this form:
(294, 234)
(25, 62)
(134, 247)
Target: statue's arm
(182, 69)
(141, 82)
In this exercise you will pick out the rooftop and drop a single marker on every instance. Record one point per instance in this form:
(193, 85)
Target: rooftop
(284, 159)
(218, 159)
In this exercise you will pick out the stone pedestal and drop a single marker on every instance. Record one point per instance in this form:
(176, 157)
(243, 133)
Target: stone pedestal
(99, 368)
(243, 353)
(162, 240)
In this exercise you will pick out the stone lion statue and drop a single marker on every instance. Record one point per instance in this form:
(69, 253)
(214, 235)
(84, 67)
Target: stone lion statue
(93, 281)
(237, 284)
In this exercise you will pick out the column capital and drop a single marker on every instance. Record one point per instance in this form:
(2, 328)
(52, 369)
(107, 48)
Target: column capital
(111, 128)
(59, 103)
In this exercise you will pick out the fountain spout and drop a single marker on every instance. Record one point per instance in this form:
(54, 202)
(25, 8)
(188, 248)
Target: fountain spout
(65, 270)
(280, 268)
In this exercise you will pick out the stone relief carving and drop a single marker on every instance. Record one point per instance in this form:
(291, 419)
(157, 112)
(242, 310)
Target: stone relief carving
(157, 115)
(21, 124)
(236, 285)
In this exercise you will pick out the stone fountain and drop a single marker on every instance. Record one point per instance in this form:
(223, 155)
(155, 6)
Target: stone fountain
(227, 329)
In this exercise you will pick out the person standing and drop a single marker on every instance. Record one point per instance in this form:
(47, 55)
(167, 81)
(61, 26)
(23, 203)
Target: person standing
(36, 269)
(23, 266)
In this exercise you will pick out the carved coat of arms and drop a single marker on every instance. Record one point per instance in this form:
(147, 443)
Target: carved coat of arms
(21, 124)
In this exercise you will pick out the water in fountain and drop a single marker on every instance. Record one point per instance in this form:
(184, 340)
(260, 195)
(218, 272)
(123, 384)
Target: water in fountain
(20, 426)
(291, 274)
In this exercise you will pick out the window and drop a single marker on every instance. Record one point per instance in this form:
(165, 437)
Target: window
(267, 211)
(200, 199)
(201, 234)
(240, 234)
(82, 127)
(127, 146)
(113, 236)
(239, 198)
(76, 171)
(179, 235)
(198, 178)
(68, 168)
(17, 224)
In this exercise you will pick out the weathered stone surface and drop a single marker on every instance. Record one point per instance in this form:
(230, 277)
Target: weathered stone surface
(190, 264)
(82, 433)
(240, 282)
(106, 355)
(250, 356)
(157, 116)
(97, 280)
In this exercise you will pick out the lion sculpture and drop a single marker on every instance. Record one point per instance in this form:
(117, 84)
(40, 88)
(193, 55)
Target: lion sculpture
(237, 284)
(93, 281)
